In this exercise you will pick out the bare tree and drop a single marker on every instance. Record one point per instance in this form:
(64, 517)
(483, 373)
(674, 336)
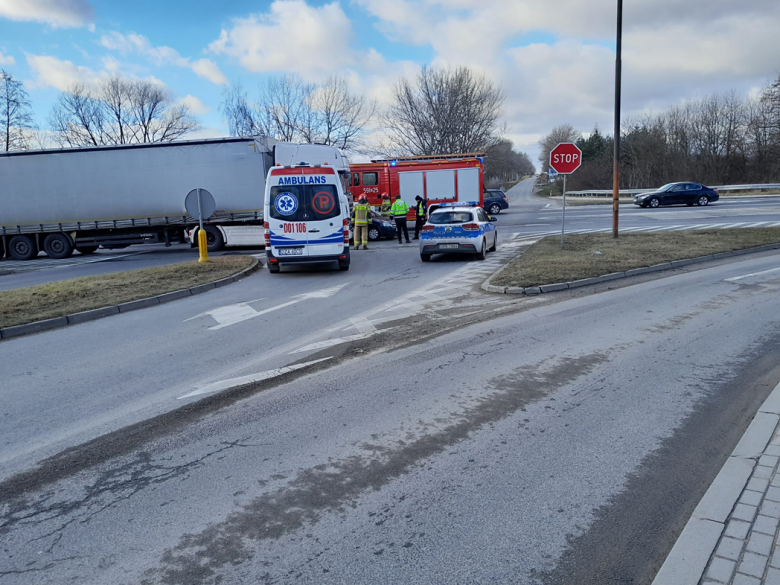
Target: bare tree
(15, 112)
(562, 133)
(336, 116)
(503, 163)
(445, 111)
(119, 111)
(292, 110)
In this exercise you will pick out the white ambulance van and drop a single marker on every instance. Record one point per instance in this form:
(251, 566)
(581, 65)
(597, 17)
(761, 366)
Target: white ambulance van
(306, 215)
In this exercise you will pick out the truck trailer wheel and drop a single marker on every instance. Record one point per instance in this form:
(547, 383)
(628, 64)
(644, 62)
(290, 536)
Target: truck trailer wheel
(22, 248)
(58, 246)
(214, 239)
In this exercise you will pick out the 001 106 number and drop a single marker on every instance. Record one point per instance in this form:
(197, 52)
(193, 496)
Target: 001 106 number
(293, 228)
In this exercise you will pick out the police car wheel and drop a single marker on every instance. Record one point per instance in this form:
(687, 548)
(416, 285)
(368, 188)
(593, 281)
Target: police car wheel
(495, 242)
(425, 257)
(482, 254)
(273, 269)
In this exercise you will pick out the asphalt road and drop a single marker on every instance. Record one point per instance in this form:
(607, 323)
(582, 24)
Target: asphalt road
(565, 442)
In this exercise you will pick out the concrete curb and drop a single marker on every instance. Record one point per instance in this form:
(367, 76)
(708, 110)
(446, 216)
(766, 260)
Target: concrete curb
(28, 328)
(689, 556)
(535, 290)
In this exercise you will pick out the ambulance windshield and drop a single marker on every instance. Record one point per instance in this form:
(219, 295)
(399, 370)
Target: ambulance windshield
(304, 202)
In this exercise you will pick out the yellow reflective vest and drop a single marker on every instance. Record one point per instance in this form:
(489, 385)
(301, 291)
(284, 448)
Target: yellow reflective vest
(360, 212)
(400, 208)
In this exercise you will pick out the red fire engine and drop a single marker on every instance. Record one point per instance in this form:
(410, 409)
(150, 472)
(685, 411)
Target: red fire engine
(438, 178)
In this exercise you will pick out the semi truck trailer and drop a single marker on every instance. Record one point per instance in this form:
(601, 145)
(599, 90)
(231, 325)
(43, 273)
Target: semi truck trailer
(61, 200)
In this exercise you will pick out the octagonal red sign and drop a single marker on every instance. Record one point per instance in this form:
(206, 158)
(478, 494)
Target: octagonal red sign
(565, 158)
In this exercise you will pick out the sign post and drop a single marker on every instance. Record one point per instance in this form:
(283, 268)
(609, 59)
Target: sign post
(564, 160)
(200, 203)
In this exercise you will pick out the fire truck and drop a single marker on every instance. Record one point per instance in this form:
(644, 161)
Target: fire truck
(441, 178)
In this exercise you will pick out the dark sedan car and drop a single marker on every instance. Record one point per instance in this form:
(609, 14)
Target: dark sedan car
(378, 228)
(495, 201)
(677, 194)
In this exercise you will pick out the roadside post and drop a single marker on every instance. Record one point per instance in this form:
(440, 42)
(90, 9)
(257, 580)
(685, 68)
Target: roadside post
(200, 203)
(564, 160)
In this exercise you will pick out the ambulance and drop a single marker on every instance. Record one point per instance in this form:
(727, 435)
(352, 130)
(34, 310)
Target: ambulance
(306, 216)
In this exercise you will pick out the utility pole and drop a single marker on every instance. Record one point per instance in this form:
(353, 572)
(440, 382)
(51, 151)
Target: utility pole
(616, 159)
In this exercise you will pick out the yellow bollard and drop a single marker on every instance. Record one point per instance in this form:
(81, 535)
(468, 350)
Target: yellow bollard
(203, 246)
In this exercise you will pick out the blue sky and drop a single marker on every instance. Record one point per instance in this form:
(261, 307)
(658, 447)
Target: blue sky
(554, 58)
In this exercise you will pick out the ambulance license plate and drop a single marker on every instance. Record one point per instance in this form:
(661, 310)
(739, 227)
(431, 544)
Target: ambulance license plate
(290, 251)
(448, 246)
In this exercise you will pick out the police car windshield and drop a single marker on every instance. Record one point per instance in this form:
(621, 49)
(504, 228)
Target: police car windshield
(446, 217)
(304, 202)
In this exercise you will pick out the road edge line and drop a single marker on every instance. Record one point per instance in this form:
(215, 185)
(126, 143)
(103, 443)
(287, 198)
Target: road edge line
(535, 290)
(93, 314)
(696, 544)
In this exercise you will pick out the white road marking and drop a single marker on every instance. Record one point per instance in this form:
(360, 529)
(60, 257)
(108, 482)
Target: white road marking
(240, 381)
(735, 278)
(232, 314)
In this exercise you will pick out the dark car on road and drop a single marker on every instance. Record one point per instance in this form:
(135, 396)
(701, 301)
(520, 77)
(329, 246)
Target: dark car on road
(677, 194)
(495, 201)
(378, 228)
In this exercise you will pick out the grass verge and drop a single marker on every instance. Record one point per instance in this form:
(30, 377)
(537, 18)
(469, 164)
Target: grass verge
(588, 255)
(56, 299)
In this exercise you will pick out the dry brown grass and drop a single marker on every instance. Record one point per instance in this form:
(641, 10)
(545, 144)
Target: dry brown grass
(546, 263)
(56, 299)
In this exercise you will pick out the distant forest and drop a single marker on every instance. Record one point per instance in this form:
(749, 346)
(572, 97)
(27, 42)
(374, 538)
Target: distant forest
(720, 139)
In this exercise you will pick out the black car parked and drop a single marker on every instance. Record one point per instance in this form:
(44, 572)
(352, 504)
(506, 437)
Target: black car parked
(494, 201)
(677, 193)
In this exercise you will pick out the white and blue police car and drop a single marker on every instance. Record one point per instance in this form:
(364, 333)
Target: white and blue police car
(458, 228)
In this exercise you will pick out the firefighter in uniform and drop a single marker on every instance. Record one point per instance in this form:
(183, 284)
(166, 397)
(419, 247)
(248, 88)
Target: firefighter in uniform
(361, 215)
(386, 205)
(419, 215)
(399, 210)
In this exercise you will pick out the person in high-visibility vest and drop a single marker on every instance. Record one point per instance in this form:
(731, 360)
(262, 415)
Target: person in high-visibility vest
(399, 210)
(419, 215)
(361, 214)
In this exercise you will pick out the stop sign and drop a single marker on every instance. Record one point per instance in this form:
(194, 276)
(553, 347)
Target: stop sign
(565, 158)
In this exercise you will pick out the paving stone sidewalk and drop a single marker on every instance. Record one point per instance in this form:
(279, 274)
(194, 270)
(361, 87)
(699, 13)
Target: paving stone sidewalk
(732, 536)
(748, 552)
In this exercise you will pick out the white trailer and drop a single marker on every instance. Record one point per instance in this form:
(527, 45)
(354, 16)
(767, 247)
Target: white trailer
(114, 196)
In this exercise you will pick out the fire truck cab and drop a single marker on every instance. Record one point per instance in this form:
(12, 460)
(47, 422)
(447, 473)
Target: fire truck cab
(446, 178)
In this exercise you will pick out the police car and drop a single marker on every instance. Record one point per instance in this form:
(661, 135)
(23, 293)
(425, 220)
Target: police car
(458, 228)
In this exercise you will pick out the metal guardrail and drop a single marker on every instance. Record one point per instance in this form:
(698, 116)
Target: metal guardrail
(631, 192)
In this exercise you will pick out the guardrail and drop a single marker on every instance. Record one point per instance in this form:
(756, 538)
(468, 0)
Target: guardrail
(632, 192)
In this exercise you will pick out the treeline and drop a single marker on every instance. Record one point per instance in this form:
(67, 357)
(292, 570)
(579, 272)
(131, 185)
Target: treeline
(720, 139)
(440, 111)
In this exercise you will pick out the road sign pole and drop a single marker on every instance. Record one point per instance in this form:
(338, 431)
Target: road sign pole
(616, 153)
(203, 247)
(563, 217)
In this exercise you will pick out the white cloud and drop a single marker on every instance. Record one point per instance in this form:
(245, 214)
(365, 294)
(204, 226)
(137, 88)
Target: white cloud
(7, 60)
(56, 13)
(162, 55)
(52, 72)
(291, 37)
(195, 105)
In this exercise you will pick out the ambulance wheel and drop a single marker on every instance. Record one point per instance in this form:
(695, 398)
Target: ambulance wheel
(273, 269)
(482, 254)
(214, 239)
(343, 267)
(425, 257)
(373, 234)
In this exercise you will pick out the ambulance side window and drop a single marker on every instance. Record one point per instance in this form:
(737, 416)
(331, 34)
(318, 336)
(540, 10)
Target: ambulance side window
(355, 179)
(370, 179)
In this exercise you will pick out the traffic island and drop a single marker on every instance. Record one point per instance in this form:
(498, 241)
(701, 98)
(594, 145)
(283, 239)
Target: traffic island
(592, 258)
(47, 306)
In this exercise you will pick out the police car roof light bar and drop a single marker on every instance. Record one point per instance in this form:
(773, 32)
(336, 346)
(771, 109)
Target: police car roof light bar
(460, 204)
